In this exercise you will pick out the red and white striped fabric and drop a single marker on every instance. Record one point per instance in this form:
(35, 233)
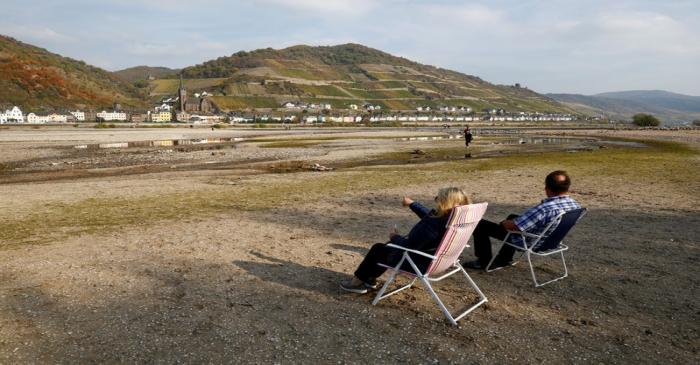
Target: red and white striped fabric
(460, 226)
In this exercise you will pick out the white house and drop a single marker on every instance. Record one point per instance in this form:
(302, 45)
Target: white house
(13, 115)
(37, 119)
(111, 116)
(79, 116)
(206, 119)
(57, 118)
(163, 108)
(43, 119)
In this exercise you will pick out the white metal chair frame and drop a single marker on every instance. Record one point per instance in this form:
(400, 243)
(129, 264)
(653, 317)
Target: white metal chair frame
(426, 279)
(534, 240)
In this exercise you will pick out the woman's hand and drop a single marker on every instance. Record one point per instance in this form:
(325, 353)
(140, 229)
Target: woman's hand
(406, 201)
(394, 232)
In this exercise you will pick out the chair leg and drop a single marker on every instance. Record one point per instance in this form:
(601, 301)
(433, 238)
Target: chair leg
(534, 278)
(532, 269)
(438, 301)
(482, 297)
(450, 317)
(493, 258)
(379, 295)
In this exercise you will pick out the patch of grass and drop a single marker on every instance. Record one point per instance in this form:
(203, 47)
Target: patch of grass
(663, 162)
(335, 103)
(170, 86)
(671, 165)
(243, 102)
(397, 104)
(381, 94)
(157, 126)
(299, 74)
(237, 88)
(322, 90)
(164, 86)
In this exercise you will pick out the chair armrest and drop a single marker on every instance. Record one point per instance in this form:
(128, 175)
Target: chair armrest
(524, 234)
(411, 251)
(519, 233)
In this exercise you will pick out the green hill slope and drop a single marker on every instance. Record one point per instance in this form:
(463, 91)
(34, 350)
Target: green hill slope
(343, 75)
(35, 79)
(136, 73)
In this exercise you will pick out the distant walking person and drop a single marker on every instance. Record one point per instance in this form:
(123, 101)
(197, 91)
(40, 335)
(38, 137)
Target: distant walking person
(467, 136)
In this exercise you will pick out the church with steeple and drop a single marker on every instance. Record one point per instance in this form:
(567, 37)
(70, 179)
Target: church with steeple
(197, 104)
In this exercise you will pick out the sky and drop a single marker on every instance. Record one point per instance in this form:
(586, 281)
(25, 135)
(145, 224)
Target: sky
(561, 46)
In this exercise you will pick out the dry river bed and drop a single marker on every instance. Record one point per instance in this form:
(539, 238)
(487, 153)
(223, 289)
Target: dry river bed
(209, 254)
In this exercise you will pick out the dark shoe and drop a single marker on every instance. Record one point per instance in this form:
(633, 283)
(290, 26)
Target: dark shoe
(372, 285)
(497, 265)
(476, 265)
(348, 287)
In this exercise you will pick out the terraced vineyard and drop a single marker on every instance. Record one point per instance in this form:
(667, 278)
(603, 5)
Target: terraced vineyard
(341, 76)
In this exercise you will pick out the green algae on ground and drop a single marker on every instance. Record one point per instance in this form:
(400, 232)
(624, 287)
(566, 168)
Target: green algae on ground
(672, 164)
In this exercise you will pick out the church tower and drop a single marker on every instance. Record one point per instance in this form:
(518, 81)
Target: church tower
(182, 95)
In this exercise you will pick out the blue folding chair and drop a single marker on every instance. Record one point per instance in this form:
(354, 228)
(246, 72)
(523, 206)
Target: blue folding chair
(545, 244)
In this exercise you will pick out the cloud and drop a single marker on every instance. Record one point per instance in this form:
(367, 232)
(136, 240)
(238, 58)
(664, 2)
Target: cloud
(152, 49)
(550, 45)
(169, 6)
(464, 14)
(33, 33)
(645, 32)
(324, 7)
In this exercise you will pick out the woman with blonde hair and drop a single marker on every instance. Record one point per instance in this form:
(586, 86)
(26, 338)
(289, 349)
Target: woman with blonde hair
(424, 236)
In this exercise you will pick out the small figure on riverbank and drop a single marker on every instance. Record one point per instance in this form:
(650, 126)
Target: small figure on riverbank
(467, 136)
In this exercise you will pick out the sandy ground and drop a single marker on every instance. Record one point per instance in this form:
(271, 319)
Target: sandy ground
(261, 286)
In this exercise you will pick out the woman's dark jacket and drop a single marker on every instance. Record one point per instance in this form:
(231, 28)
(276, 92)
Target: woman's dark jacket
(424, 236)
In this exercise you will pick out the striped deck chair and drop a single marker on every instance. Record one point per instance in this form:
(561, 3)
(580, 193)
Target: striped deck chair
(445, 262)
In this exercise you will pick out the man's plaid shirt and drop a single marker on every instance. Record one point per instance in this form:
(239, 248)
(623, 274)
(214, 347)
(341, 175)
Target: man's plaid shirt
(536, 219)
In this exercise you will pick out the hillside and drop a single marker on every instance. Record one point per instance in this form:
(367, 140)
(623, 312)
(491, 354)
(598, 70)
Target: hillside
(343, 75)
(35, 78)
(132, 74)
(670, 107)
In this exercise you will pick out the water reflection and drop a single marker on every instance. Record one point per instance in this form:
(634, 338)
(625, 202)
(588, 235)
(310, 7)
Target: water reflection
(524, 140)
